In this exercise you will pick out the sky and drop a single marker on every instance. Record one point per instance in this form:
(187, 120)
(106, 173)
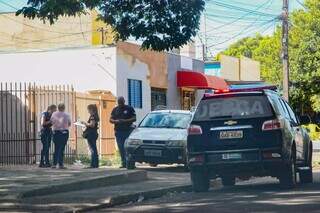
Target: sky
(225, 21)
(230, 20)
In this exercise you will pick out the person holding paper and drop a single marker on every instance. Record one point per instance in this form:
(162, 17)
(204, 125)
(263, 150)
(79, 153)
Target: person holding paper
(91, 134)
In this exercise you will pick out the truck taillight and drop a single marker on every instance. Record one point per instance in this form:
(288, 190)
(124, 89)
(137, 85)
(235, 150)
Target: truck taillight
(272, 125)
(195, 130)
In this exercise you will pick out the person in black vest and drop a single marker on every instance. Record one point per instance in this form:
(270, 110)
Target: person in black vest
(122, 117)
(91, 134)
(46, 136)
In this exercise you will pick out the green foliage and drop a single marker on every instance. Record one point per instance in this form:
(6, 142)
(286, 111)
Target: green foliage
(315, 100)
(160, 25)
(304, 52)
(114, 160)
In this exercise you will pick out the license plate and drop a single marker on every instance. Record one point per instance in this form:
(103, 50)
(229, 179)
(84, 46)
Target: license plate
(231, 134)
(152, 153)
(231, 156)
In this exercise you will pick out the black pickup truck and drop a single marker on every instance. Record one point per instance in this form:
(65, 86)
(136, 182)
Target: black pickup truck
(247, 133)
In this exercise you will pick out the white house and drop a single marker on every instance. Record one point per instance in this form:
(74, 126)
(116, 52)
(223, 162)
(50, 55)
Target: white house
(145, 78)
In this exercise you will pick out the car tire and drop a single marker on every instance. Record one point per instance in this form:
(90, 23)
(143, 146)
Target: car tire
(186, 167)
(228, 181)
(200, 180)
(153, 164)
(306, 175)
(130, 164)
(288, 178)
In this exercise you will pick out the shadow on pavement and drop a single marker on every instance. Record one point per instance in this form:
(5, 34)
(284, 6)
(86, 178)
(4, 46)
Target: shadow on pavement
(257, 195)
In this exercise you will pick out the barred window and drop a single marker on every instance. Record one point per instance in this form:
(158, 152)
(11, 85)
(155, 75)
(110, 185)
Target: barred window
(135, 93)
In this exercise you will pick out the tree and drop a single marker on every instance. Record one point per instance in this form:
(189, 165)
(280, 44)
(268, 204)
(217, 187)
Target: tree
(159, 24)
(304, 49)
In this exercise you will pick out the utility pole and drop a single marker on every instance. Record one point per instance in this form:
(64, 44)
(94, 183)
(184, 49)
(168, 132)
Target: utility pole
(285, 49)
(204, 41)
(102, 30)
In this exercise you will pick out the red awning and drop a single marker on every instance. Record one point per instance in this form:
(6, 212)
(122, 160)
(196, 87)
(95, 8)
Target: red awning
(198, 80)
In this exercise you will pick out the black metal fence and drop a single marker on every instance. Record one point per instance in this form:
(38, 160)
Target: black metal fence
(21, 105)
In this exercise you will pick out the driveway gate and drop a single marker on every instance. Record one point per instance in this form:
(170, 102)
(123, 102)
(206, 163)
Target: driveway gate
(21, 105)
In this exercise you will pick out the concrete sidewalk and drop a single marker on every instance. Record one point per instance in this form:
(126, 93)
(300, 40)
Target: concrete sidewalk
(31, 189)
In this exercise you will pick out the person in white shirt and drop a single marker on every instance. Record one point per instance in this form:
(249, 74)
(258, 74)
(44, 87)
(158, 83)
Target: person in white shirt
(61, 123)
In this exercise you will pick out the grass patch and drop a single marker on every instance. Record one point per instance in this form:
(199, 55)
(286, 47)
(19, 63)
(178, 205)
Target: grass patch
(114, 160)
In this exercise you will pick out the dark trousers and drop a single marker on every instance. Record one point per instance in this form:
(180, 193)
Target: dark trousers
(60, 139)
(92, 142)
(121, 137)
(46, 136)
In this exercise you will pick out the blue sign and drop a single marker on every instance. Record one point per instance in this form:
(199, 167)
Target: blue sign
(212, 68)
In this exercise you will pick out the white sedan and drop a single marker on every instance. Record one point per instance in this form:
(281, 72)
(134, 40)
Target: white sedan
(161, 138)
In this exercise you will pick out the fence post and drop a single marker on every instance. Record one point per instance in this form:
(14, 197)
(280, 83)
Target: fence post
(34, 108)
(74, 108)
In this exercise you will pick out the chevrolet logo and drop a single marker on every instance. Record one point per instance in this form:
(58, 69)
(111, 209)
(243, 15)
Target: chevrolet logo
(230, 123)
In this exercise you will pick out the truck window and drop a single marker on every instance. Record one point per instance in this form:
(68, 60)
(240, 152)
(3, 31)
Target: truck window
(235, 107)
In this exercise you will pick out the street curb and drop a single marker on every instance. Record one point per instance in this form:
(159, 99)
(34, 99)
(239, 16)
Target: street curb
(101, 181)
(134, 197)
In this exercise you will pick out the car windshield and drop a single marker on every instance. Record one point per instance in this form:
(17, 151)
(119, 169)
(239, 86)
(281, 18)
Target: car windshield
(235, 107)
(166, 120)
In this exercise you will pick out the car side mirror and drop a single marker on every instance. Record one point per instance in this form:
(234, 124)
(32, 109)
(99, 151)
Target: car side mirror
(305, 119)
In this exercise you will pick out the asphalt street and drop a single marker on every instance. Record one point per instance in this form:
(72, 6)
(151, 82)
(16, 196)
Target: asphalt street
(256, 195)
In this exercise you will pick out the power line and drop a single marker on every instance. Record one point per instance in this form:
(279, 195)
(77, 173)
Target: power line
(9, 5)
(242, 9)
(262, 31)
(238, 34)
(243, 16)
(28, 25)
(48, 39)
(301, 4)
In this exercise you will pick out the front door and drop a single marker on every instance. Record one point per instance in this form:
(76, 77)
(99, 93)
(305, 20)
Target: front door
(188, 99)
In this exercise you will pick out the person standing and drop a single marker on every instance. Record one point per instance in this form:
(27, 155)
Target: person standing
(91, 134)
(122, 117)
(60, 126)
(46, 136)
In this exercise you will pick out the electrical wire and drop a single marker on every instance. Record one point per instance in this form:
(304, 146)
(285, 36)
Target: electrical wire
(29, 25)
(242, 9)
(48, 39)
(238, 34)
(301, 4)
(242, 17)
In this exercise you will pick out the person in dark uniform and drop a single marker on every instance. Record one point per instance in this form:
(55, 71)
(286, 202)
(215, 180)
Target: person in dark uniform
(46, 136)
(122, 117)
(91, 134)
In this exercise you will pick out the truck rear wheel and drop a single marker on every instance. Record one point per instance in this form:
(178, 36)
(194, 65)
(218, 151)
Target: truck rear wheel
(200, 180)
(306, 174)
(288, 178)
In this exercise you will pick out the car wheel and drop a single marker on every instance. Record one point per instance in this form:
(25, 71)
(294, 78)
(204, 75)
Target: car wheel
(306, 174)
(153, 164)
(200, 180)
(130, 164)
(186, 167)
(228, 181)
(288, 178)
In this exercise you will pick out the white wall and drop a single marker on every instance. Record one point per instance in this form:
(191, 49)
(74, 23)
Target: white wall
(85, 69)
(129, 67)
(249, 69)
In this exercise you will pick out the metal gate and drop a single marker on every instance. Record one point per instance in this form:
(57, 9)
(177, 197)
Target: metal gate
(21, 105)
